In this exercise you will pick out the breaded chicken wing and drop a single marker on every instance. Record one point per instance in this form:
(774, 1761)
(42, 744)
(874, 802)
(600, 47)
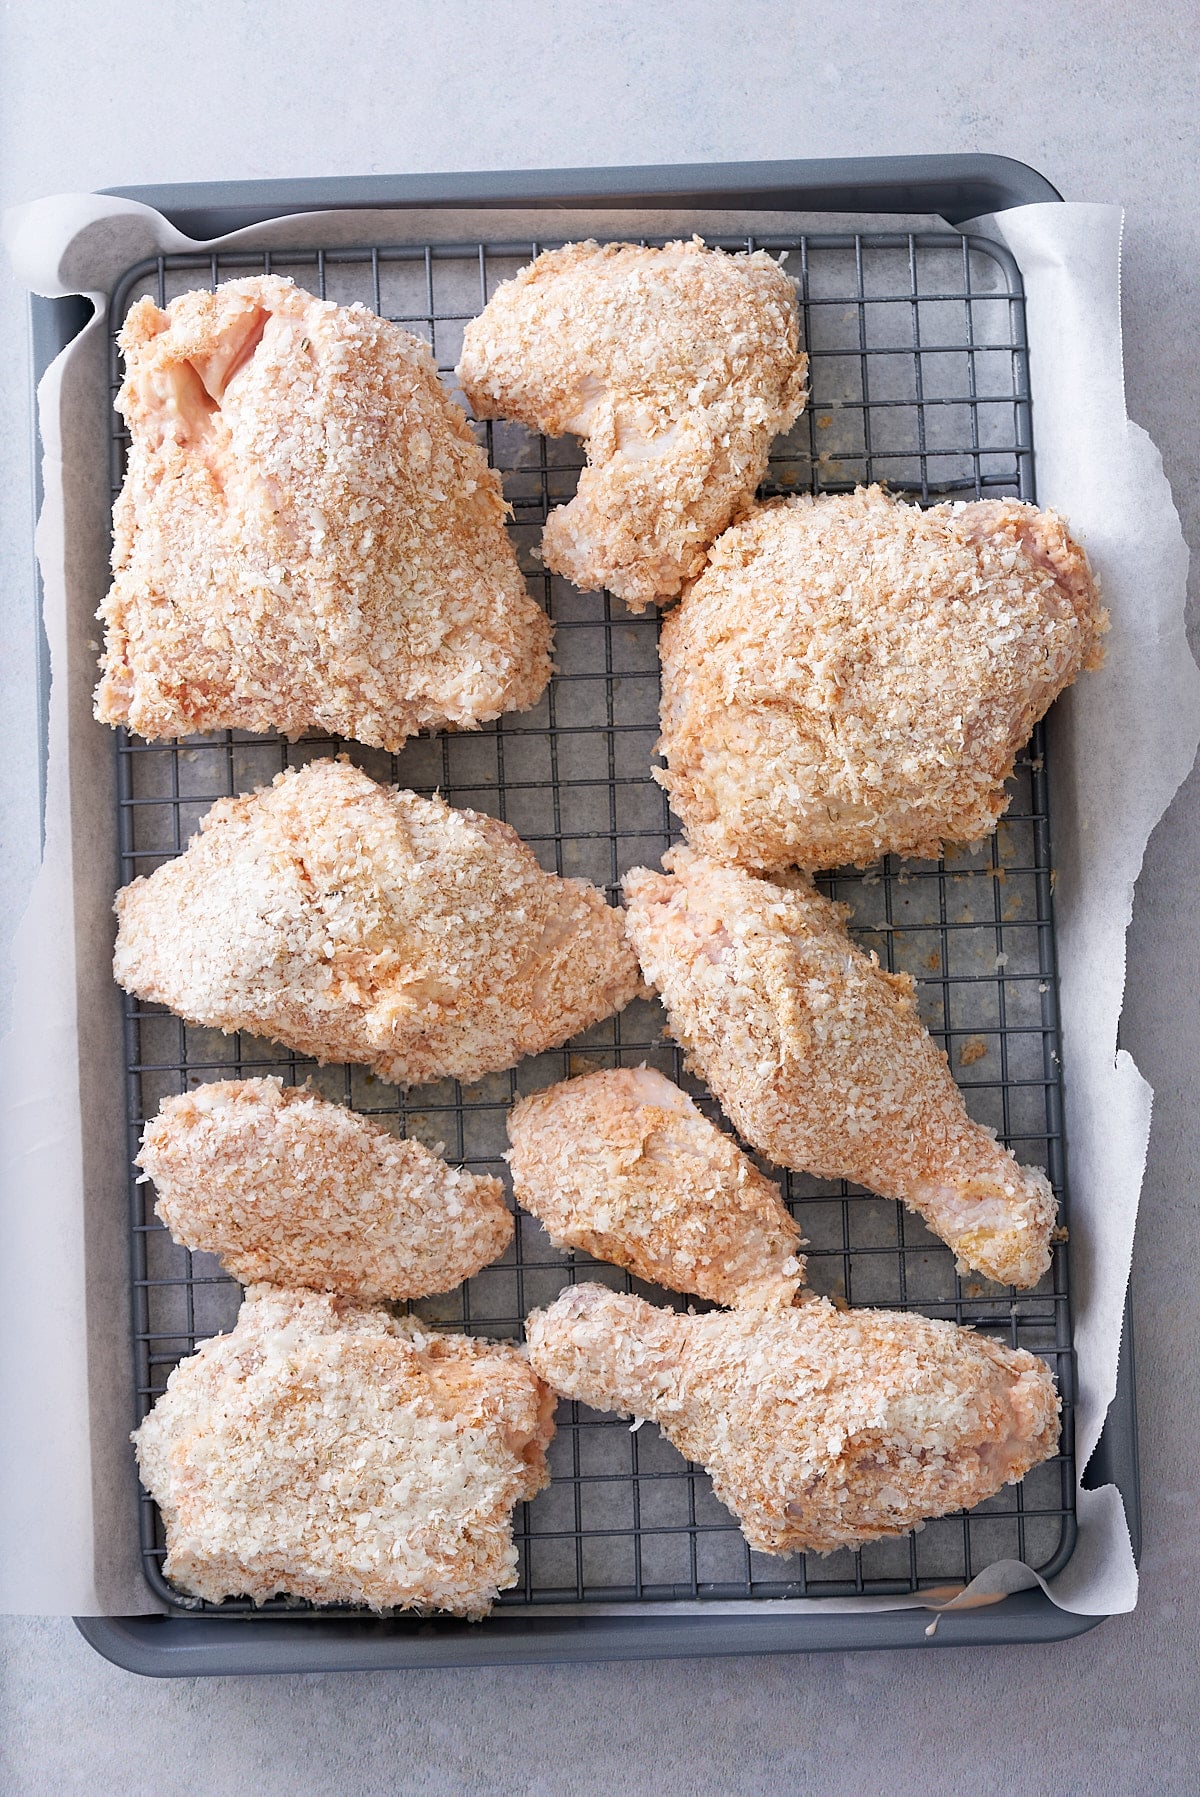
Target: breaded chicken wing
(676, 366)
(851, 675)
(622, 1164)
(820, 1428)
(283, 1186)
(820, 1060)
(308, 535)
(358, 922)
(341, 1454)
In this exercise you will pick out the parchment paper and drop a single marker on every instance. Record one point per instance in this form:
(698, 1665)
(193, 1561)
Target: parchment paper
(1122, 741)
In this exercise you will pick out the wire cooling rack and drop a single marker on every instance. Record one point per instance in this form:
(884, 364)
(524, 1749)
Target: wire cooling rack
(918, 378)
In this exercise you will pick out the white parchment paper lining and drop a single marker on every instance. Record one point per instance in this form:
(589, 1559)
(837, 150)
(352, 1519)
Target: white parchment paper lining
(1122, 741)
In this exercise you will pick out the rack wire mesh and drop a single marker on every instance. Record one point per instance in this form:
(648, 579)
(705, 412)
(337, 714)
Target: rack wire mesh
(918, 373)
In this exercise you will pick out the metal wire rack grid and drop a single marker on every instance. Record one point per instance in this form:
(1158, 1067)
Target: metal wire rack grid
(918, 373)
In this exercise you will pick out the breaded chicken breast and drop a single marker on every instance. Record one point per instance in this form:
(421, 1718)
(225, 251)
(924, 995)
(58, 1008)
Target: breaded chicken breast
(283, 1186)
(308, 536)
(852, 676)
(676, 366)
(357, 922)
(820, 1428)
(622, 1164)
(821, 1061)
(340, 1454)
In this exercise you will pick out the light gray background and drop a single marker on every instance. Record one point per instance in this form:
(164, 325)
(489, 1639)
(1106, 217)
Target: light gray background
(1102, 98)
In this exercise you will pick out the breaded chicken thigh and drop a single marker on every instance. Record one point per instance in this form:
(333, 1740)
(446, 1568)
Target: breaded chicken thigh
(340, 1454)
(677, 367)
(357, 922)
(622, 1164)
(852, 676)
(284, 1186)
(820, 1060)
(820, 1428)
(308, 535)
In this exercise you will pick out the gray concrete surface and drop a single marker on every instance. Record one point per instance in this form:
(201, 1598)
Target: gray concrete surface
(1101, 98)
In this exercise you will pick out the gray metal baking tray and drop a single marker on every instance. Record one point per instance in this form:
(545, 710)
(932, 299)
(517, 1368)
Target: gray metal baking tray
(943, 411)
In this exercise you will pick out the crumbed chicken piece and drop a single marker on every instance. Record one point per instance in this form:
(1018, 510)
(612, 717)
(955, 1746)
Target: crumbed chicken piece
(821, 1061)
(676, 366)
(357, 922)
(337, 1453)
(286, 1187)
(308, 535)
(622, 1164)
(852, 676)
(820, 1428)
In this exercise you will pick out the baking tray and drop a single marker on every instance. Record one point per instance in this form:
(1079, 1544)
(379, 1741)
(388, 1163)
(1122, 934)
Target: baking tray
(919, 376)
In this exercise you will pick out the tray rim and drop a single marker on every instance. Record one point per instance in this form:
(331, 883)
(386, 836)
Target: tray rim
(168, 1647)
(956, 186)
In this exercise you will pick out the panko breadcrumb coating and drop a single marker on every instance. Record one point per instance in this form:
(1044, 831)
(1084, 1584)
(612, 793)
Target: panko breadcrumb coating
(286, 1187)
(357, 922)
(821, 1061)
(308, 535)
(340, 1454)
(676, 366)
(820, 1428)
(622, 1164)
(852, 676)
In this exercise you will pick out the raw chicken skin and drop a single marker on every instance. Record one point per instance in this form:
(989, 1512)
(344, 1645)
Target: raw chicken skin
(820, 1060)
(357, 922)
(676, 366)
(851, 676)
(820, 1428)
(346, 1456)
(284, 1186)
(622, 1164)
(308, 536)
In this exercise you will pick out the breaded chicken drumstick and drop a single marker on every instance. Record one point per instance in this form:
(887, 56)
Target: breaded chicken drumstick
(357, 922)
(346, 1456)
(308, 535)
(820, 1060)
(820, 1428)
(852, 676)
(622, 1164)
(286, 1187)
(677, 367)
